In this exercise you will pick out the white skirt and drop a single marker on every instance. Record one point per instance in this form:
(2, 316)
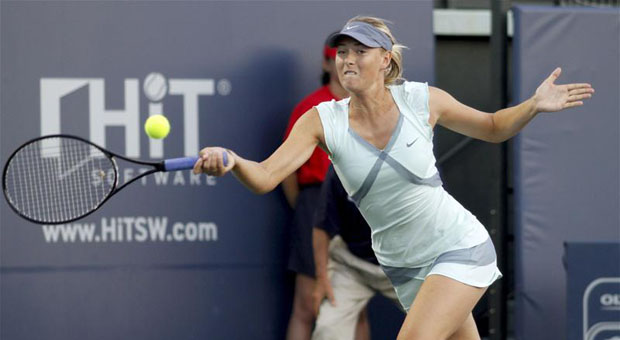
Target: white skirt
(475, 266)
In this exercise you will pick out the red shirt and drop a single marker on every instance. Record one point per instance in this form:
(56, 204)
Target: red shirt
(314, 170)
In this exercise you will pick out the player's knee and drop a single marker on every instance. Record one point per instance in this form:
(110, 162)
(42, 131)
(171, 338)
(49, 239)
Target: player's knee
(421, 333)
(419, 337)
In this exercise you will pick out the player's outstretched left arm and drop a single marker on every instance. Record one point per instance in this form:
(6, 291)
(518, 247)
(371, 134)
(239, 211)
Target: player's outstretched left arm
(550, 97)
(263, 177)
(505, 123)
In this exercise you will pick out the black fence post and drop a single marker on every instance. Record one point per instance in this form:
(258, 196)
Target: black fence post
(498, 226)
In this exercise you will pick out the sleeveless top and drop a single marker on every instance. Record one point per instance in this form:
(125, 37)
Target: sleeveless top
(398, 189)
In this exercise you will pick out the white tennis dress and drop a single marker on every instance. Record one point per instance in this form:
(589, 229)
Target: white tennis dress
(398, 189)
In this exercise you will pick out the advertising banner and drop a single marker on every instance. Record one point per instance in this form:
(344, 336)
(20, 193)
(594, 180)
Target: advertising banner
(174, 255)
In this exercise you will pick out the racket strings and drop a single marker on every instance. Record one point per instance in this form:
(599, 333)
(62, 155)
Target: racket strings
(58, 179)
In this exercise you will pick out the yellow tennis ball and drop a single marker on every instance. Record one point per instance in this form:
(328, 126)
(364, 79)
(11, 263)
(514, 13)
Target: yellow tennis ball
(157, 127)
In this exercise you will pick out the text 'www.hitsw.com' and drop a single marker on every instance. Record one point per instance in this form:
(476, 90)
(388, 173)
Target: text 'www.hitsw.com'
(131, 229)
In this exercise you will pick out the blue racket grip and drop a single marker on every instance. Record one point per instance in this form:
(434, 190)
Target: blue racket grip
(186, 163)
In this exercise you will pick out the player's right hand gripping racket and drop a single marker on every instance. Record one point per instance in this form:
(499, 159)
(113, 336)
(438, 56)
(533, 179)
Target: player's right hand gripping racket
(60, 178)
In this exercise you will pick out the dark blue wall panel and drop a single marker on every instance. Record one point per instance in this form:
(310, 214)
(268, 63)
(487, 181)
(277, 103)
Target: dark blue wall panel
(566, 164)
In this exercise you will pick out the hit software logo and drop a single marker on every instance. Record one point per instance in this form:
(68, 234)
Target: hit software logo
(155, 87)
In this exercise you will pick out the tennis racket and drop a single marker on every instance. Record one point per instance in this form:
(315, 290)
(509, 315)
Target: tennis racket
(61, 178)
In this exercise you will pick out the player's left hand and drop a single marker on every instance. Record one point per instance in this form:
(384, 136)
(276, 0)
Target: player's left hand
(550, 97)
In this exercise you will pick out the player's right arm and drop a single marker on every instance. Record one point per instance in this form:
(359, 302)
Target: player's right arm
(263, 177)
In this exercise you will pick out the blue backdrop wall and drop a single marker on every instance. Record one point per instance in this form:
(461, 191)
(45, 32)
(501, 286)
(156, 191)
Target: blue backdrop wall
(173, 256)
(567, 173)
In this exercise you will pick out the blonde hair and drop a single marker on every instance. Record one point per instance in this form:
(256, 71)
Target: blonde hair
(394, 71)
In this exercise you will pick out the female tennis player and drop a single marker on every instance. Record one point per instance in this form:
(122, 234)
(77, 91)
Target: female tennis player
(437, 255)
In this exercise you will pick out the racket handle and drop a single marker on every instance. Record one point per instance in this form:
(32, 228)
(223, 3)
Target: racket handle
(186, 163)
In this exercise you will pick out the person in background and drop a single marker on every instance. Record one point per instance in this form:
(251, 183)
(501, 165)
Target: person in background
(302, 190)
(347, 272)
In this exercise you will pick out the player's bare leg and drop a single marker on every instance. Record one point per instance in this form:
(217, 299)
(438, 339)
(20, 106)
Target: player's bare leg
(468, 330)
(442, 310)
